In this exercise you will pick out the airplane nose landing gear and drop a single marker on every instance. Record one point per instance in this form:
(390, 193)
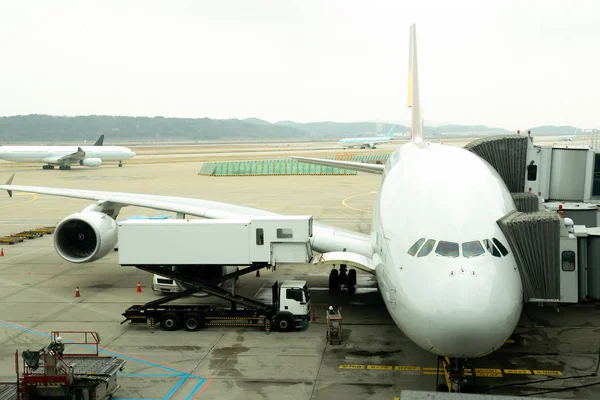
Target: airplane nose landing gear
(454, 373)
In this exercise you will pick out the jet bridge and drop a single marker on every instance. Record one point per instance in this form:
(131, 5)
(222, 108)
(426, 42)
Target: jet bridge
(545, 247)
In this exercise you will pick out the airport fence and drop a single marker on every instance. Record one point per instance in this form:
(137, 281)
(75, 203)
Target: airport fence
(282, 167)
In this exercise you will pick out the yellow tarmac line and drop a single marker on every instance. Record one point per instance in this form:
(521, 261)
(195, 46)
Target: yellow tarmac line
(35, 197)
(353, 196)
(480, 372)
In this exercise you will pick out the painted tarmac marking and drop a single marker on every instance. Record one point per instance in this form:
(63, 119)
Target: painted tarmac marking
(185, 375)
(353, 196)
(407, 368)
(546, 372)
(480, 372)
(380, 367)
(352, 366)
(517, 371)
(35, 197)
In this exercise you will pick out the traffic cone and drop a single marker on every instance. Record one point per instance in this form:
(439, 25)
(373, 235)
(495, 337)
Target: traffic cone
(77, 292)
(314, 317)
(1, 252)
(139, 288)
(258, 273)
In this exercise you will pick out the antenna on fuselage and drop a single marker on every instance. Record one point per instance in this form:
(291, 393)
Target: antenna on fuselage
(413, 90)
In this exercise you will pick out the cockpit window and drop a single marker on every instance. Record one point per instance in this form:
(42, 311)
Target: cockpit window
(447, 249)
(415, 247)
(491, 248)
(500, 246)
(472, 249)
(426, 249)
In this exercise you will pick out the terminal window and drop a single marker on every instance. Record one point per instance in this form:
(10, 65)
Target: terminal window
(596, 182)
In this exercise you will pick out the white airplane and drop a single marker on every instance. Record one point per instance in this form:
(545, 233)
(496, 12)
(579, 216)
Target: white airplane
(65, 156)
(443, 266)
(568, 137)
(368, 142)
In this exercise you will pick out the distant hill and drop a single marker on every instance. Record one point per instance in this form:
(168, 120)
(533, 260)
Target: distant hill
(56, 129)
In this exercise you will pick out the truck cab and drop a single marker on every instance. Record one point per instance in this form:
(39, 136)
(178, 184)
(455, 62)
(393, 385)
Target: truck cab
(293, 305)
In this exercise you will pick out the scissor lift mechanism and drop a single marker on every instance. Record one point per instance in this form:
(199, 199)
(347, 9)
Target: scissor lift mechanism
(243, 312)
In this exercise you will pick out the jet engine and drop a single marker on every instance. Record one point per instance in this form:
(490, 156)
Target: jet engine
(85, 236)
(91, 162)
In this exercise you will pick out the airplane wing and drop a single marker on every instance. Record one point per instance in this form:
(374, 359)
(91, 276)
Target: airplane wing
(73, 157)
(363, 167)
(325, 238)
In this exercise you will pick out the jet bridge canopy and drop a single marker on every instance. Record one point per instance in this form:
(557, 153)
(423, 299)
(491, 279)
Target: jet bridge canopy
(535, 241)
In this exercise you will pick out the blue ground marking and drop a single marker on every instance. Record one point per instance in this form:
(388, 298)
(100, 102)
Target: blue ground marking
(183, 374)
(195, 389)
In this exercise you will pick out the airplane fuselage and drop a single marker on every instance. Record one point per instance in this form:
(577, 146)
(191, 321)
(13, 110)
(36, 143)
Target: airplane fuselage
(448, 304)
(49, 154)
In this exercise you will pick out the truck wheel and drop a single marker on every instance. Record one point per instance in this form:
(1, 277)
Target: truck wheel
(284, 324)
(192, 322)
(334, 281)
(169, 322)
(351, 281)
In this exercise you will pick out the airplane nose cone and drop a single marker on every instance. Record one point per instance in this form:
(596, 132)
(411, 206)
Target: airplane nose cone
(473, 320)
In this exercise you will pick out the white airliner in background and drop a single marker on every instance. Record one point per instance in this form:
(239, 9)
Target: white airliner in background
(443, 266)
(368, 142)
(65, 156)
(568, 138)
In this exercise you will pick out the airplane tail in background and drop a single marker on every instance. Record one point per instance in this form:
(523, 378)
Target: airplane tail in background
(100, 141)
(413, 90)
(391, 132)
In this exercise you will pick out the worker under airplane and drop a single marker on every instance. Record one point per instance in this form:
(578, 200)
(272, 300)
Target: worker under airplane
(65, 156)
(443, 266)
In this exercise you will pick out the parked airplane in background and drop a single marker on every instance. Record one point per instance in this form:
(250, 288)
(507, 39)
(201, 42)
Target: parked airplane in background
(568, 137)
(368, 142)
(65, 156)
(443, 266)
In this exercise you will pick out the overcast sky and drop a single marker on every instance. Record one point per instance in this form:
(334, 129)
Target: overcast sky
(511, 64)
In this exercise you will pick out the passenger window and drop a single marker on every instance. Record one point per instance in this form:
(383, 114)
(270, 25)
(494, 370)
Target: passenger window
(501, 247)
(284, 233)
(426, 249)
(491, 248)
(260, 237)
(294, 294)
(568, 260)
(472, 249)
(447, 249)
(415, 247)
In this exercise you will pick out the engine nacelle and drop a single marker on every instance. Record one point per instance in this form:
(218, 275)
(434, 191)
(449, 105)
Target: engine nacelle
(85, 236)
(91, 162)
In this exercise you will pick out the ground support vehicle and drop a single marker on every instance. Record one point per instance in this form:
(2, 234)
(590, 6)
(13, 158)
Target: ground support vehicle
(289, 309)
(79, 374)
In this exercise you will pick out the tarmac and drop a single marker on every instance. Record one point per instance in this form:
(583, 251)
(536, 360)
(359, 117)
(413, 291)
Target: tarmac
(553, 349)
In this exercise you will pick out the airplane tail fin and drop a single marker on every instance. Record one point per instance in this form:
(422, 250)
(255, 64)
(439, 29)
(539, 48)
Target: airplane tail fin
(413, 90)
(9, 182)
(100, 141)
(391, 132)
